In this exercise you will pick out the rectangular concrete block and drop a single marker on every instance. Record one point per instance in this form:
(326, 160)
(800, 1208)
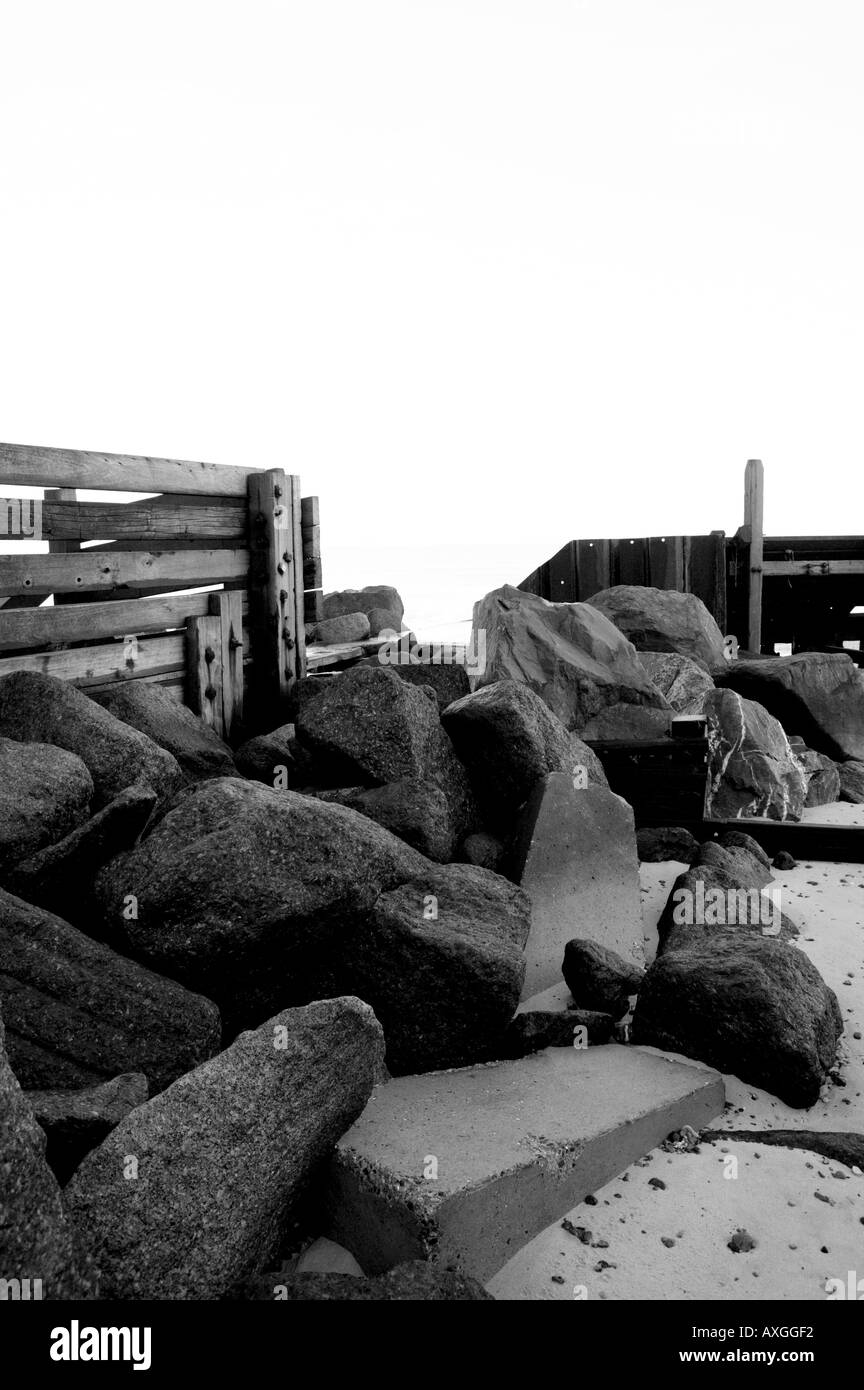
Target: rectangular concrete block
(469, 1165)
(576, 859)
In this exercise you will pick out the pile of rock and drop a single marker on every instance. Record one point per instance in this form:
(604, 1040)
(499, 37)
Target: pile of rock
(211, 956)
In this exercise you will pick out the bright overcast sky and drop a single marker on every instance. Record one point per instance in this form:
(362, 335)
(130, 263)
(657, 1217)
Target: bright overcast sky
(494, 270)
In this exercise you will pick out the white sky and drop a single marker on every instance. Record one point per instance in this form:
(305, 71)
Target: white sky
(511, 271)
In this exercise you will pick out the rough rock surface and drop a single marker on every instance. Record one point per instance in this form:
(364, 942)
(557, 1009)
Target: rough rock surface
(599, 978)
(36, 1239)
(223, 1154)
(274, 758)
(60, 876)
(343, 601)
(150, 709)
(39, 709)
(77, 1121)
(745, 1004)
(483, 850)
(683, 681)
(413, 1281)
(547, 1020)
(509, 740)
(851, 776)
(710, 897)
(753, 771)
(440, 961)
(572, 656)
(243, 891)
(657, 844)
(348, 627)
(739, 839)
(819, 695)
(44, 793)
(662, 620)
(77, 1013)
(417, 811)
(823, 779)
(370, 727)
(384, 620)
(448, 679)
(625, 723)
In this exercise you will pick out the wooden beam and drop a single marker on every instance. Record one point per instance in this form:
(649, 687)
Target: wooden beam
(753, 519)
(106, 662)
(810, 569)
(228, 608)
(204, 670)
(25, 465)
(85, 573)
(297, 573)
(272, 602)
(69, 520)
(44, 626)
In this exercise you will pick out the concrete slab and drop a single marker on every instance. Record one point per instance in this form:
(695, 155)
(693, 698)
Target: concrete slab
(469, 1165)
(576, 859)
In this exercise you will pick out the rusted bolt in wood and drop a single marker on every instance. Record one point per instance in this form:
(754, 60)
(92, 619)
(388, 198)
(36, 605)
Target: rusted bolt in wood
(280, 569)
(211, 692)
(283, 594)
(277, 511)
(234, 642)
(289, 643)
(209, 655)
(277, 491)
(287, 557)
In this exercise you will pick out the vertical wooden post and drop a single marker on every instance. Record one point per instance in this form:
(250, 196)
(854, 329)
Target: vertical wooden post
(296, 572)
(718, 610)
(228, 608)
(273, 592)
(204, 670)
(753, 520)
(313, 604)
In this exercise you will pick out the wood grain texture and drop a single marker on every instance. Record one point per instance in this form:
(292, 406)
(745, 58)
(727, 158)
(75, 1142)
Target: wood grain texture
(27, 465)
(106, 570)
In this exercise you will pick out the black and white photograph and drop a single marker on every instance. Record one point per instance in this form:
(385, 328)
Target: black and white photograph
(431, 676)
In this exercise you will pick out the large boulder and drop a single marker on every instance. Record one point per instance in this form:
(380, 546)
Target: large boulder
(77, 1121)
(77, 1013)
(440, 960)
(348, 627)
(370, 727)
(509, 740)
(575, 659)
(44, 793)
(623, 723)
(662, 620)
(575, 856)
(374, 596)
(851, 776)
(224, 1154)
(819, 695)
(657, 844)
(745, 1004)
(823, 778)
(37, 1242)
(599, 978)
(275, 758)
(40, 709)
(723, 888)
(448, 679)
(753, 771)
(60, 876)
(244, 892)
(150, 709)
(683, 681)
(417, 811)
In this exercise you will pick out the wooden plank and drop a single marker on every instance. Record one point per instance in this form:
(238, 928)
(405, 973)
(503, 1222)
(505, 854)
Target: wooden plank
(665, 563)
(563, 584)
(810, 569)
(213, 520)
(632, 561)
(313, 605)
(319, 657)
(708, 574)
(753, 520)
(228, 608)
(298, 572)
(593, 567)
(26, 465)
(105, 662)
(309, 512)
(272, 606)
(204, 669)
(85, 573)
(823, 547)
(312, 543)
(312, 577)
(63, 497)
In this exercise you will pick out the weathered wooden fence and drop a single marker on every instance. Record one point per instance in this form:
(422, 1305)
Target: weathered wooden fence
(233, 653)
(694, 564)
